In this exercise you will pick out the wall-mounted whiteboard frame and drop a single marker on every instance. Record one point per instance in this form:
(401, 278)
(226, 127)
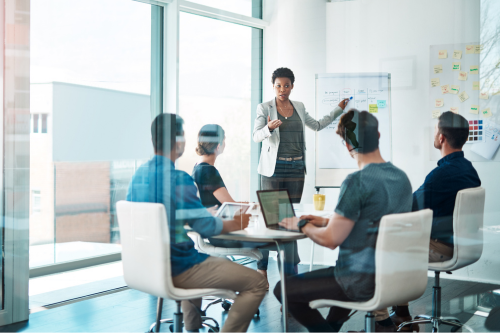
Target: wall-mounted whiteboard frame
(335, 177)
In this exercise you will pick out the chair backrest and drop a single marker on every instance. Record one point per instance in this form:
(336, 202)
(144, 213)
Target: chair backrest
(467, 230)
(401, 257)
(145, 242)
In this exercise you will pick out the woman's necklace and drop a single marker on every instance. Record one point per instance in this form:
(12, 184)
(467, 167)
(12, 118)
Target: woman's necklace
(283, 114)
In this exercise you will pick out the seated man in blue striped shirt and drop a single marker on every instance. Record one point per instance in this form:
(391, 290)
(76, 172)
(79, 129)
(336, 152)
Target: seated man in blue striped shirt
(158, 181)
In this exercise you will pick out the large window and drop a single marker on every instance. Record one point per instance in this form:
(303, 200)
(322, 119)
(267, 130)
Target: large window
(90, 97)
(215, 81)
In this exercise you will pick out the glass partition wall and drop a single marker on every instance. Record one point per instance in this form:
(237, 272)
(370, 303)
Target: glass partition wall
(90, 116)
(95, 89)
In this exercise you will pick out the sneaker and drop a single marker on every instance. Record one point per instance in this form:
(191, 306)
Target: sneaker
(397, 320)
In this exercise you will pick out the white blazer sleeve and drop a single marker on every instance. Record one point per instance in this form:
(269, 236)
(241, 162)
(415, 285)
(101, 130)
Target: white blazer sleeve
(260, 130)
(318, 125)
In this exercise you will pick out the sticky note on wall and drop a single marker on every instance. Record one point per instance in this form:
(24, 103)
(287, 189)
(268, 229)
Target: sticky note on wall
(443, 54)
(436, 114)
(373, 108)
(474, 109)
(484, 95)
(438, 69)
(439, 102)
(381, 104)
(445, 89)
(475, 85)
(477, 48)
(469, 49)
(455, 89)
(486, 113)
(457, 54)
(463, 97)
(455, 66)
(454, 109)
(462, 76)
(474, 69)
(435, 82)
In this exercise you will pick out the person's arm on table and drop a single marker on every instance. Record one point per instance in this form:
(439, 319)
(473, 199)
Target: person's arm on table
(331, 236)
(222, 194)
(318, 221)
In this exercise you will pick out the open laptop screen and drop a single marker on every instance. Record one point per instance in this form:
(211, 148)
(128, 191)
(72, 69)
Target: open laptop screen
(275, 205)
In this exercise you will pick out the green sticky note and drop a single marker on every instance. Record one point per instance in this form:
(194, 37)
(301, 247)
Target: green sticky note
(381, 104)
(373, 108)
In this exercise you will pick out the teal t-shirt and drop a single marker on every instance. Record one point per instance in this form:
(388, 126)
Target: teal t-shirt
(365, 197)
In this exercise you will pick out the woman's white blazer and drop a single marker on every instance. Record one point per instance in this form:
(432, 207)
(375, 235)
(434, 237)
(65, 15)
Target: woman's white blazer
(271, 140)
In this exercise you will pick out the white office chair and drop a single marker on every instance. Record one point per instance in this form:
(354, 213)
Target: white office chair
(145, 239)
(467, 249)
(207, 248)
(401, 258)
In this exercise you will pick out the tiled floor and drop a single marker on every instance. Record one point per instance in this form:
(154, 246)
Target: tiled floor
(133, 311)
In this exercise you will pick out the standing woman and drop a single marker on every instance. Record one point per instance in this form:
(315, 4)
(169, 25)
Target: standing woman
(280, 127)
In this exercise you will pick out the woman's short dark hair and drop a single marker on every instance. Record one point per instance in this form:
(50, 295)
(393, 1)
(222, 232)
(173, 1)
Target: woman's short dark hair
(360, 130)
(455, 129)
(209, 137)
(283, 72)
(162, 131)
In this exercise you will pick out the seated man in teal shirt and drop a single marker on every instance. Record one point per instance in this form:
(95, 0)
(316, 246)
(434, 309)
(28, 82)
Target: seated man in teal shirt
(158, 181)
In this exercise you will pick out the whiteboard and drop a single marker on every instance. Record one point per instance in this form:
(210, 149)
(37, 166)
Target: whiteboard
(366, 89)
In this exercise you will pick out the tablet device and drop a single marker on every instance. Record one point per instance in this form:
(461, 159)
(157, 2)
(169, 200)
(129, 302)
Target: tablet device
(229, 209)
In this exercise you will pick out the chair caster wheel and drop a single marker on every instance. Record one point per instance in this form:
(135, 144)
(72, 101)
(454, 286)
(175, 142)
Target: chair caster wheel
(171, 328)
(257, 313)
(226, 305)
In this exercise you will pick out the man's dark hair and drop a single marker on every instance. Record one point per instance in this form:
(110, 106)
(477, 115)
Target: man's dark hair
(454, 128)
(164, 129)
(360, 130)
(283, 72)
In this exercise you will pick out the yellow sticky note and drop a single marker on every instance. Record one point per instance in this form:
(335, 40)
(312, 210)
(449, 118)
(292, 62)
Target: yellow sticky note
(486, 113)
(438, 69)
(463, 97)
(455, 89)
(469, 49)
(455, 66)
(443, 54)
(435, 82)
(445, 89)
(454, 109)
(474, 109)
(475, 85)
(373, 108)
(457, 54)
(436, 114)
(484, 95)
(477, 48)
(439, 102)
(474, 69)
(462, 76)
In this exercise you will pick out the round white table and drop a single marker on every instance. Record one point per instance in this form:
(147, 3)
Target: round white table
(278, 237)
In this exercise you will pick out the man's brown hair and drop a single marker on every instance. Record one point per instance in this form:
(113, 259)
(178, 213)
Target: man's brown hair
(360, 130)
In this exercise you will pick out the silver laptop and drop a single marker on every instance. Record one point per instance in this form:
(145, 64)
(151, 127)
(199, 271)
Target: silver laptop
(275, 206)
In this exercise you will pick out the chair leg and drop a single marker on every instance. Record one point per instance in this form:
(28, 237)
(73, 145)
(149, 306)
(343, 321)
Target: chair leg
(370, 322)
(178, 318)
(159, 309)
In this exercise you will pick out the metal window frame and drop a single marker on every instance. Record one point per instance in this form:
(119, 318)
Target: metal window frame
(165, 79)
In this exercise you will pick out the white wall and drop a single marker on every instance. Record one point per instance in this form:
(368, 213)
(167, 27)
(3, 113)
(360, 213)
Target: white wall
(296, 38)
(362, 34)
(95, 124)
